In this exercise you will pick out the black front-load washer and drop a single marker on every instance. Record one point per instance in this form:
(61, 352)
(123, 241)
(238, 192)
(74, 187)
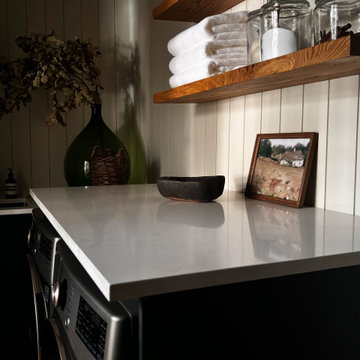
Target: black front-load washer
(42, 240)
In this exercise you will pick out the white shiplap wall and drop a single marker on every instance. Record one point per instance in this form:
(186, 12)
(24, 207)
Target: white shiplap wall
(119, 27)
(195, 139)
(222, 134)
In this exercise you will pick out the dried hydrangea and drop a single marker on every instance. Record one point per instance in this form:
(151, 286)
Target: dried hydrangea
(66, 68)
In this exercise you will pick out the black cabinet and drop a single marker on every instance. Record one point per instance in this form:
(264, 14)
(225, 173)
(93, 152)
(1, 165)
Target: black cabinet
(19, 337)
(309, 316)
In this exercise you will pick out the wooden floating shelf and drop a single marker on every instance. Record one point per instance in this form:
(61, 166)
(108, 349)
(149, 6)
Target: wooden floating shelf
(330, 60)
(191, 10)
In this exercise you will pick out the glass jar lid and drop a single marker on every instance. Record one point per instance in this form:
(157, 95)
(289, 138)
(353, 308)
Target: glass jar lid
(254, 13)
(286, 3)
(341, 3)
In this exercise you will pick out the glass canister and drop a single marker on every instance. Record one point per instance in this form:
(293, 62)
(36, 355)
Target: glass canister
(286, 26)
(335, 18)
(253, 35)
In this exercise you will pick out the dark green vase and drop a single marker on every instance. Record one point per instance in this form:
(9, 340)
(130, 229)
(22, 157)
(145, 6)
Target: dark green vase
(78, 158)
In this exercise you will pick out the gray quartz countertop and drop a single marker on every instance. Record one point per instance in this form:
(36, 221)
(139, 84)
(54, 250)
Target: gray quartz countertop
(134, 243)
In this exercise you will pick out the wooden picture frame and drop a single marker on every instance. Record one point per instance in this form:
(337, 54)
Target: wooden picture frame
(281, 166)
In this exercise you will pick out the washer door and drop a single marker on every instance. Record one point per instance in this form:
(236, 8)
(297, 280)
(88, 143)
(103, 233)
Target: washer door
(48, 339)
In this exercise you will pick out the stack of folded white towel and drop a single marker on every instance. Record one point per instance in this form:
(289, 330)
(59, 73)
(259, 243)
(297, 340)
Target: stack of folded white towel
(216, 44)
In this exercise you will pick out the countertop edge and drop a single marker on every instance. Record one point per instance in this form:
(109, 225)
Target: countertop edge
(233, 275)
(92, 271)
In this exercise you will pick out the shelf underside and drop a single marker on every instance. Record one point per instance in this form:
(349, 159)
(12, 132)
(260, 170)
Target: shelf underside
(333, 59)
(191, 10)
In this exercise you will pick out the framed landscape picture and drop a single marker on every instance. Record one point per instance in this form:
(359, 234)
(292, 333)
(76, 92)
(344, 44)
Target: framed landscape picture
(280, 167)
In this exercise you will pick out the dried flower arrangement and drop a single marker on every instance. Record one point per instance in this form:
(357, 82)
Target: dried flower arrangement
(66, 68)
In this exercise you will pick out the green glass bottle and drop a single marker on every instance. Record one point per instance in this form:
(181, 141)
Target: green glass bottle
(95, 153)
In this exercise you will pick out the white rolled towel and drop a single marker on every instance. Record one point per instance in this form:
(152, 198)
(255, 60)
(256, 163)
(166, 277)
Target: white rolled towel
(206, 51)
(206, 29)
(229, 50)
(204, 70)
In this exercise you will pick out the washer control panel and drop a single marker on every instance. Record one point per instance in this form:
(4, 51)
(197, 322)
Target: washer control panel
(91, 329)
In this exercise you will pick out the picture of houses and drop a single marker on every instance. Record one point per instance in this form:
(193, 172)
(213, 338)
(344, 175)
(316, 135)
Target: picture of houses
(293, 158)
(280, 167)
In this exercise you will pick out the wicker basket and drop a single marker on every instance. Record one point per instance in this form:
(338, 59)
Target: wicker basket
(108, 167)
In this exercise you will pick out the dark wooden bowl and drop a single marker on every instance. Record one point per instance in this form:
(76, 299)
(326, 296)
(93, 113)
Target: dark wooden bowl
(201, 188)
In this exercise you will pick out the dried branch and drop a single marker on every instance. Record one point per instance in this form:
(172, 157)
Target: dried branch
(67, 68)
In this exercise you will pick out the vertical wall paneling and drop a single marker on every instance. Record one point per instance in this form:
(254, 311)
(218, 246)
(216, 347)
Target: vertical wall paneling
(55, 17)
(172, 145)
(73, 29)
(315, 119)
(190, 143)
(144, 68)
(253, 4)
(21, 147)
(154, 154)
(163, 134)
(222, 143)
(38, 107)
(4, 48)
(35, 11)
(140, 40)
(236, 143)
(185, 139)
(57, 133)
(180, 140)
(107, 61)
(179, 119)
(161, 130)
(210, 138)
(90, 21)
(177, 148)
(270, 117)
(155, 131)
(5, 123)
(146, 94)
(199, 140)
(252, 128)
(124, 50)
(90, 32)
(239, 7)
(357, 189)
(291, 109)
(222, 138)
(343, 114)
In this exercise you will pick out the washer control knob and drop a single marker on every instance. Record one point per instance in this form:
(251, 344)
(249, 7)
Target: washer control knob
(58, 294)
(55, 294)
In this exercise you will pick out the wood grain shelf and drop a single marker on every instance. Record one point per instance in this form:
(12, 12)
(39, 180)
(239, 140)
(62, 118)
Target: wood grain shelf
(333, 59)
(191, 10)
